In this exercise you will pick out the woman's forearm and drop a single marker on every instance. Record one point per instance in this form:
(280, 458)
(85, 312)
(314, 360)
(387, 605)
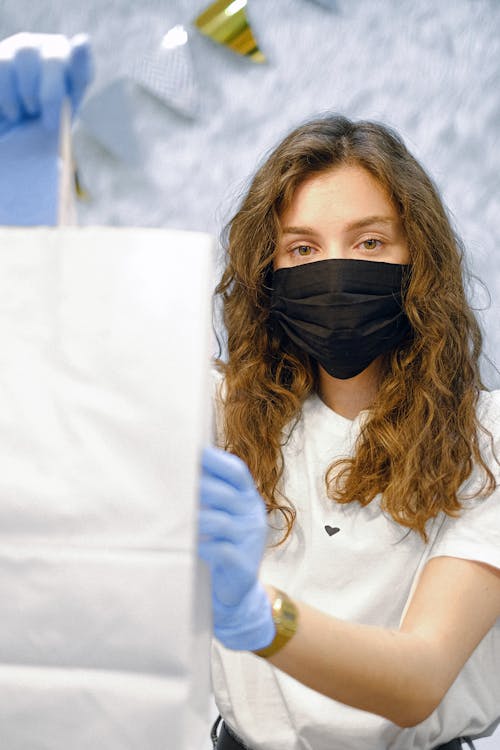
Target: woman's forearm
(375, 669)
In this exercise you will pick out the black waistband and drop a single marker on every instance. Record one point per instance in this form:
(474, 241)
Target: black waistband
(227, 740)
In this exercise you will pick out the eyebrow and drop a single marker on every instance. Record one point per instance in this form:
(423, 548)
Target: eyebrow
(351, 227)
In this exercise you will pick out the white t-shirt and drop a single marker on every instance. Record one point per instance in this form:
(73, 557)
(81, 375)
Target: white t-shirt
(365, 572)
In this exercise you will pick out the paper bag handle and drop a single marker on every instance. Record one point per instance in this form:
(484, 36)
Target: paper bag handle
(66, 210)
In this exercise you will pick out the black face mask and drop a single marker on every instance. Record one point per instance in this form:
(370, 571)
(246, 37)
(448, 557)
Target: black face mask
(344, 313)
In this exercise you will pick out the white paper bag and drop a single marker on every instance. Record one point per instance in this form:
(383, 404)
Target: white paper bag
(104, 408)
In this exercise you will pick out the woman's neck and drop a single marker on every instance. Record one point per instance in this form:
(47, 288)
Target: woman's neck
(349, 397)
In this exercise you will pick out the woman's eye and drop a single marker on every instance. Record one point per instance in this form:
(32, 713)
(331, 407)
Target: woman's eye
(304, 251)
(371, 244)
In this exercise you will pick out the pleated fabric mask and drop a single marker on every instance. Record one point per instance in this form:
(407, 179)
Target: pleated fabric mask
(344, 313)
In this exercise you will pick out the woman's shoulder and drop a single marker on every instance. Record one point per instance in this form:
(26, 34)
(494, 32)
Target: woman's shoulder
(488, 414)
(475, 533)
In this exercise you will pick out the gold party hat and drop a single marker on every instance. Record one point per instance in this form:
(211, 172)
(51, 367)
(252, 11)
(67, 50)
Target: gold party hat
(226, 22)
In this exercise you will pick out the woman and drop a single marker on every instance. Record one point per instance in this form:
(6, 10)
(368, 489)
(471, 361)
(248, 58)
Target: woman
(352, 393)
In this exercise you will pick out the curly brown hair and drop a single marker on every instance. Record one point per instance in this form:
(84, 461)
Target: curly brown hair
(422, 438)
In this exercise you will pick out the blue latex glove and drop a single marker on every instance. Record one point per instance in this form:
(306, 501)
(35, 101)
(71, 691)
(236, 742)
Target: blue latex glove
(37, 72)
(232, 538)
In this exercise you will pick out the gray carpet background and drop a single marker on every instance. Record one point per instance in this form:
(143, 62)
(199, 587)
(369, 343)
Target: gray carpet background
(172, 142)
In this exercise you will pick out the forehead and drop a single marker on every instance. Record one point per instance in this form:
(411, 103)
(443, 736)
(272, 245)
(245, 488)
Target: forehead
(348, 192)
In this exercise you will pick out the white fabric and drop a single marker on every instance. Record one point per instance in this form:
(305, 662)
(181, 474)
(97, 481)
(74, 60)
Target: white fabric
(99, 456)
(363, 573)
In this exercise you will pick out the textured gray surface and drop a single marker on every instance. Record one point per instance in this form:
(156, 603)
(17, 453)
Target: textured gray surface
(429, 69)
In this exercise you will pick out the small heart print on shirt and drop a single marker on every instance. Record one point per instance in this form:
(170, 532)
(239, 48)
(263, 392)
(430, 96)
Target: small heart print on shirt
(332, 530)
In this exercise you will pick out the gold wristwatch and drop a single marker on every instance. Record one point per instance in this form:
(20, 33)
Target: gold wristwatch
(285, 618)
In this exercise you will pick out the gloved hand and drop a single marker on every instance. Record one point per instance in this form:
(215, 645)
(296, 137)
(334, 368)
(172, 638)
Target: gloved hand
(232, 538)
(36, 72)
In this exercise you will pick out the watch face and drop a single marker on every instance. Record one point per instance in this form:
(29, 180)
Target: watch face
(286, 615)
